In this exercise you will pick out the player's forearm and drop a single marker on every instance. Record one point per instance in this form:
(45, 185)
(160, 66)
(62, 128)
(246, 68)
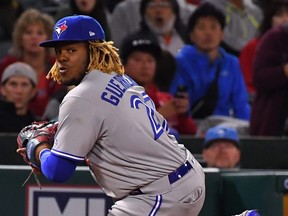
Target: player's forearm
(39, 149)
(56, 168)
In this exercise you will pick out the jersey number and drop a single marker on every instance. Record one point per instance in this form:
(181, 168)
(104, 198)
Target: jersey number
(157, 128)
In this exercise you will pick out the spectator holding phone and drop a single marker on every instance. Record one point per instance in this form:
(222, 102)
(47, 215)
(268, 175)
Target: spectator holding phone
(213, 76)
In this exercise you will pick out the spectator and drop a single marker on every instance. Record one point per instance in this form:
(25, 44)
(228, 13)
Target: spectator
(213, 76)
(270, 108)
(32, 27)
(221, 148)
(275, 14)
(93, 8)
(242, 22)
(140, 57)
(17, 89)
(123, 23)
(160, 21)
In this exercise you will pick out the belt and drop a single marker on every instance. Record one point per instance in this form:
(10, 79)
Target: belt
(173, 176)
(180, 172)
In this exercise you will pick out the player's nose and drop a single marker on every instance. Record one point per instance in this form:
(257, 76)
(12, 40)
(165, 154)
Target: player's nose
(61, 57)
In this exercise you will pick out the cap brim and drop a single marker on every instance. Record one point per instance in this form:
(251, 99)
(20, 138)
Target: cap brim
(210, 142)
(54, 43)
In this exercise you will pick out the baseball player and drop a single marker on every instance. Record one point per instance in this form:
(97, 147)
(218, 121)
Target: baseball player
(109, 121)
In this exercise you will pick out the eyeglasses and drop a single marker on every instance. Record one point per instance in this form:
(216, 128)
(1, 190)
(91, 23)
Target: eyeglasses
(159, 4)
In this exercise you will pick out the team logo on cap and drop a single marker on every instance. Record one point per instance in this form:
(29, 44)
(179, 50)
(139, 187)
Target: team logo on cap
(221, 132)
(91, 33)
(60, 28)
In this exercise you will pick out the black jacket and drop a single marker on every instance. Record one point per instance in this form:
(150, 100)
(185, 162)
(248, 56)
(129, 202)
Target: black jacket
(10, 122)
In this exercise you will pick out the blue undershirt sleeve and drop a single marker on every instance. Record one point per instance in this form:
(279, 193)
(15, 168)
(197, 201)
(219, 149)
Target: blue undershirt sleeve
(55, 168)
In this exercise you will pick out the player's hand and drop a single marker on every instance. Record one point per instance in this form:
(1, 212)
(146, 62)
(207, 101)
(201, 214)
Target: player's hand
(33, 138)
(21, 151)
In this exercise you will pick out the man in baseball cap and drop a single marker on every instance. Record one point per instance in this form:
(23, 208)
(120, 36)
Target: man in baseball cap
(81, 30)
(140, 43)
(140, 55)
(221, 147)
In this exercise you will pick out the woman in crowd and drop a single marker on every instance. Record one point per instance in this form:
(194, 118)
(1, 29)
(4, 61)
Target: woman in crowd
(31, 28)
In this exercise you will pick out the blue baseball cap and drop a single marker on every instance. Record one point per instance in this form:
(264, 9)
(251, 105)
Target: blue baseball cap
(221, 133)
(75, 28)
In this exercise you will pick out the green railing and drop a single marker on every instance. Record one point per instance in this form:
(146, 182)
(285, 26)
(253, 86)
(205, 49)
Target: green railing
(228, 192)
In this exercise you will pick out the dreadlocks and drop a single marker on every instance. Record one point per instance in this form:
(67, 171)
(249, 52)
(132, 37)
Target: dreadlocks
(103, 57)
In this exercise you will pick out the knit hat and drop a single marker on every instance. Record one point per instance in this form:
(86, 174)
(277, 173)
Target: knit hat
(19, 69)
(139, 43)
(221, 133)
(75, 28)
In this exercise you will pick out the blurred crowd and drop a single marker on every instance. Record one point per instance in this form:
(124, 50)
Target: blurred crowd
(204, 63)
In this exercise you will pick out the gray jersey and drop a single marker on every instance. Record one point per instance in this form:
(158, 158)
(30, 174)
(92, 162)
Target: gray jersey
(110, 120)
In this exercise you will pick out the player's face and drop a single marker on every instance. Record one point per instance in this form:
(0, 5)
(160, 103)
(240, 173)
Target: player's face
(207, 34)
(72, 60)
(222, 154)
(18, 90)
(31, 38)
(141, 67)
